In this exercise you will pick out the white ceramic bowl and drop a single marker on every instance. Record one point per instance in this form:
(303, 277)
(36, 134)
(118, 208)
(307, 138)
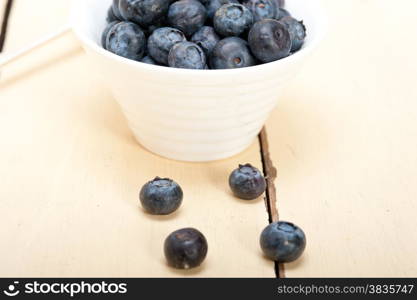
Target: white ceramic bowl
(193, 115)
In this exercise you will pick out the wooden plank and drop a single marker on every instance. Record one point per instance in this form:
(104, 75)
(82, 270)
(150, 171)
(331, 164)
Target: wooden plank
(344, 141)
(35, 20)
(71, 173)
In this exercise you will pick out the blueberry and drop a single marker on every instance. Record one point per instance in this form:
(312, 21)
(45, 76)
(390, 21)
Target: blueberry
(116, 10)
(232, 19)
(206, 38)
(143, 12)
(283, 242)
(162, 22)
(105, 33)
(280, 3)
(230, 53)
(247, 182)
(111, 17)
(126, 39)
(161, 196)
(269, 40)
(148, 60)
(187, 16)
(261, 9)
(213, 5)
(161, 41)
(297, 32)
(187, 55)
(185, 248)
(282, 13)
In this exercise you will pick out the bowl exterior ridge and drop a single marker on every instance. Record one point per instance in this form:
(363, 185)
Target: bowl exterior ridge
(189, 115)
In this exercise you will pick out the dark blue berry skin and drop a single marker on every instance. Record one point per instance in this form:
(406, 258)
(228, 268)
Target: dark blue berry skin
(297, 32)
(111, 16)
(269, 40)
(105, 33)
(213, 5)
(185, 248)
(161, 41)
(282, 242)
(187, 55)
(143, 12)
(281, 13)
(162, 22)
(187, 16)
(116, 10)
(232, 19)
(247, 182)
(231, 53)
(161, 196)
(280, 3)
(126, 39)
(261, 9)
(148, 60)
(207, 38)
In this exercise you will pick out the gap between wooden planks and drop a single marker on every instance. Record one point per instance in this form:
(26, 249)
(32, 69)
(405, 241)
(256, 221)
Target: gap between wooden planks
(5, 10)
(267, 164)
(35, 85)
(270, 173)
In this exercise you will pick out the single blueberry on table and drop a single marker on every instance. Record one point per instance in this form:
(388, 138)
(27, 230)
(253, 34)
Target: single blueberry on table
(207, 38)
(116, 11)
(187, 55)
(297, 32)
(126, 39)
(185, 248)
(247, 182)
(282, 242)
(161, 196)
(161, 41)
(213, 5)
(269, 40)
(105, 33)
(187, 16)
(143, 12)
(261, 9)
(148, 60)
(232, 19)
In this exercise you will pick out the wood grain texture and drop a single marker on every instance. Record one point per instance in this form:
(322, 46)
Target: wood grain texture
(344, 138)
(71, 172)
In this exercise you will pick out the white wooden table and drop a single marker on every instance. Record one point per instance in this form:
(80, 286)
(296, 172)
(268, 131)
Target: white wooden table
(343, 140)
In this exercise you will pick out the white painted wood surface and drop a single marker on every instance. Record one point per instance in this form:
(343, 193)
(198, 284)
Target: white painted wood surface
(2, 7)
(71, 173)
(344, 140)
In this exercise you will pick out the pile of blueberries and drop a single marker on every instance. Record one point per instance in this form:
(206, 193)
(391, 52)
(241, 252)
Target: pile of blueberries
(187, 248)
(202, 34)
